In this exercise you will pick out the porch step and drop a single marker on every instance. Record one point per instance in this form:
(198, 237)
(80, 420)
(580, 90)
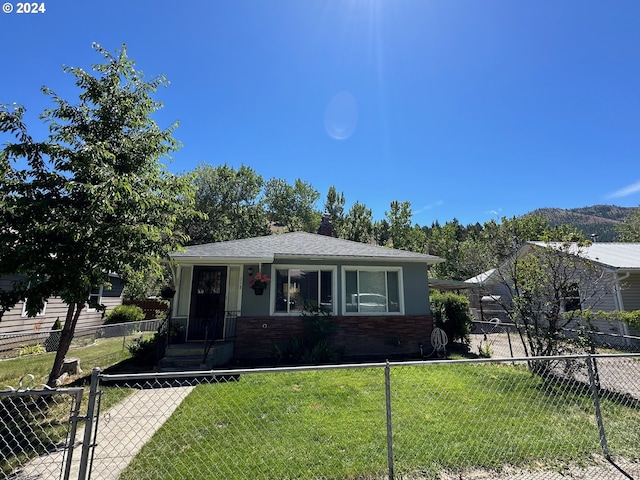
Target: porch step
(189, 356)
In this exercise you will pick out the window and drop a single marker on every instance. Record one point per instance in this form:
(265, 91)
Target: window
(571, 297)
(39, 314)
(209, 282)
(42, 311)
(95, 299)
(302, 289)
(372, 290)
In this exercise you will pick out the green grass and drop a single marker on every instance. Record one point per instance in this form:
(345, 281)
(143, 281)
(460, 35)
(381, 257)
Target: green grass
(332, 424)
(102, 353)
(40, 424)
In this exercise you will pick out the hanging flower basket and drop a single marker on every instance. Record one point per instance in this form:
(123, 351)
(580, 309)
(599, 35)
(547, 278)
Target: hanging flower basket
(167, 293)
(259, 283)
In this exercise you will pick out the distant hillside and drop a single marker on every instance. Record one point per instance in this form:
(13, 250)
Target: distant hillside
(598, 219)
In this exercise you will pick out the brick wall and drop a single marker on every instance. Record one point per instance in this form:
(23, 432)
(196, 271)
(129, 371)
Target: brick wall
(382, 336)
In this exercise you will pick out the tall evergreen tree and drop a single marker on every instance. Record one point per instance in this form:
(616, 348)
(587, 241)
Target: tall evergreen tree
(358, 225)
(629, 229)
(334, 209)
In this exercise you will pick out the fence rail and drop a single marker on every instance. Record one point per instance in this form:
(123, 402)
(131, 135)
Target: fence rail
(500, 339)
(395, 420)
(14, 344)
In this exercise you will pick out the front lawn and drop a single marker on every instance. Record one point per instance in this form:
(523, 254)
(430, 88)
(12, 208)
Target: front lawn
(332, 424)
(101, 353)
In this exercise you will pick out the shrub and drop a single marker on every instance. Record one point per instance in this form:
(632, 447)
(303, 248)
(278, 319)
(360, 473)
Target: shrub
(145, 352)
(485, 350)
(53, 341)
(36, 349)
(313, 346)
(452, 314)
(124, 314)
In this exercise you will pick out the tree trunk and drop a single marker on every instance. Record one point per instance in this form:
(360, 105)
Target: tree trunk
(66, 335)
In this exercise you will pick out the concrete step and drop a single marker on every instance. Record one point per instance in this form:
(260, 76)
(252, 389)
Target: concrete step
(190, 357)
(184, 350)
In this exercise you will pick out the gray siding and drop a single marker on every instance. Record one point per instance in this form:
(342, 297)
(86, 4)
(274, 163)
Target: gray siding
(631, 292)
(14, 322)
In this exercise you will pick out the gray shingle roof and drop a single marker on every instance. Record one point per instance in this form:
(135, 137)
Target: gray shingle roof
(297, 245)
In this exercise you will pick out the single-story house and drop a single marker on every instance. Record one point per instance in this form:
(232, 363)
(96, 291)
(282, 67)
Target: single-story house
(379, 297)
(620, 263)
(16, 320)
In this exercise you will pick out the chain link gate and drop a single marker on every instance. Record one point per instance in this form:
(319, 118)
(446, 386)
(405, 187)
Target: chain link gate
(38, 432)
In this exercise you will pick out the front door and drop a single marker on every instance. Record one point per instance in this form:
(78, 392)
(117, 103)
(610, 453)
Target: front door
(206, 319)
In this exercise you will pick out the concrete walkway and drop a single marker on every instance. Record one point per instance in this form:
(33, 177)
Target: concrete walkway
(122, 432)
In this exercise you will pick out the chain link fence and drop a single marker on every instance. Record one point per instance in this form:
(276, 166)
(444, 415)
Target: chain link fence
(500, 339)
(447, 419)
(37, 432)
(16, 344)
(463, 419)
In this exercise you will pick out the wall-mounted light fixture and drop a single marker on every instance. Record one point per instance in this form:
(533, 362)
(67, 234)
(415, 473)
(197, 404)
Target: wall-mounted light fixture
(250, 271)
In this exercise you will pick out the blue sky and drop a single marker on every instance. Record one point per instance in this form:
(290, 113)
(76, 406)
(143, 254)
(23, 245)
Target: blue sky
(470, 109)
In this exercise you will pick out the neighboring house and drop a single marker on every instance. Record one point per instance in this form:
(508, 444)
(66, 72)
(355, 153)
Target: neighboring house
(378, 296)
(17, 321)
(619, 261)
(485, 298)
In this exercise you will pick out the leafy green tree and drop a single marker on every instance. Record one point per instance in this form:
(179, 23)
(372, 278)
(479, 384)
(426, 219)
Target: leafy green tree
(292, 206)
(629, 229)
(470, 251)
(505, 238)
(334, 208)
(549, 286)
(93, 198)
(445, 243)
(231, 200)
(358, 224)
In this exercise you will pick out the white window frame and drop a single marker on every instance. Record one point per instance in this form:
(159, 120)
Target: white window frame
(318, 268)
(41, 313)
(385, 269)
(99, 302)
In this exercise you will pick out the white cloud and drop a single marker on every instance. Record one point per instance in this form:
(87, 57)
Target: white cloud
(429, 207)
(626, 191)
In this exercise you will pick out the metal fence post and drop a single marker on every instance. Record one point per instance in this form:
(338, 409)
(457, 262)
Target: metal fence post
(509, 340)
(75, 418)
(89, 425)
(595, 387)
(387, 384)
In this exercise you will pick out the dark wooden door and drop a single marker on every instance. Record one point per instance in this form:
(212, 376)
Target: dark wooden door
(207, 303)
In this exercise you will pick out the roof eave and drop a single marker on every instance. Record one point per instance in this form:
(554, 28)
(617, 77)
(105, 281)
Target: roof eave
(210, 260)
(355, 258)
(216, 260)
